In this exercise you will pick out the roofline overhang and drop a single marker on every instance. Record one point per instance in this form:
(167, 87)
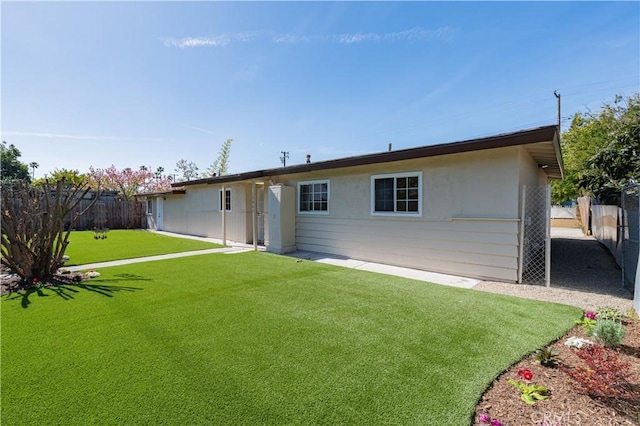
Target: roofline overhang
(558, 150)
(176, 191)
(522, 137)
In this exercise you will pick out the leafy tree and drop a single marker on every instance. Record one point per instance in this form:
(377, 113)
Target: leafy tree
(187, 169)
(221, 165)
(11, 166)
(33, 226)
(613, 166)
(600, 151)
(70, 177)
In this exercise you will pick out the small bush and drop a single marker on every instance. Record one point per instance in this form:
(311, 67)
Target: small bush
(609, 313)
(609, 332)
(604, 375)
(547, 357)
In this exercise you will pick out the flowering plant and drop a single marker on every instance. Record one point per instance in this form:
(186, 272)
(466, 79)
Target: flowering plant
(530, 393)
(36, 282)
(525, 374)
(485, 419)
(93, 274)
(577, 342)
(588, 320)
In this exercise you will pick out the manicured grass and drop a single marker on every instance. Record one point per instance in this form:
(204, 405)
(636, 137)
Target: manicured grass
(255, 338)
(83, 248)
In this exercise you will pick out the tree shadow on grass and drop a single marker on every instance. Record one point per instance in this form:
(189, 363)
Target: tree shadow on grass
(67, 290)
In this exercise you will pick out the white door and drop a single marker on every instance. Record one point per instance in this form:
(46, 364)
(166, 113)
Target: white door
(159, 213)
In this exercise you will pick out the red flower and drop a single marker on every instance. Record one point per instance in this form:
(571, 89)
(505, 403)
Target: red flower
(525, 374)
(35, 280)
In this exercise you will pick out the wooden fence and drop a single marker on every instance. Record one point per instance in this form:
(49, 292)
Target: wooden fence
(119, 214)
(584, 214)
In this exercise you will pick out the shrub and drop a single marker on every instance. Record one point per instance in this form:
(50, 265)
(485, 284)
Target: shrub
(609, 313)
(604, 375)
(609, 332)
(547, 357)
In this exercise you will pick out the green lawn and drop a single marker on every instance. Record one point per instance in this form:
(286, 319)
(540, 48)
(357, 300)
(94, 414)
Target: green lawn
(83, 248)
(255, 338)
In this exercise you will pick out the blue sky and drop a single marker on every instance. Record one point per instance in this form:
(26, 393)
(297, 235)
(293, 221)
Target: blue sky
(150, 83)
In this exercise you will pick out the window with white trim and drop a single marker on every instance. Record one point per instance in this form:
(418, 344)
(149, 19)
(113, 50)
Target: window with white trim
(396, 194)
(313, 197)
(149, 207)
(227, 200)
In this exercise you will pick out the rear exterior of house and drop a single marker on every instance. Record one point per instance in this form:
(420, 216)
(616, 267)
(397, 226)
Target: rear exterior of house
(451, 208)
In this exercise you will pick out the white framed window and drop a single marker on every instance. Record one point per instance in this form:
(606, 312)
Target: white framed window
(227, 200)
(149, 207)
(397, 194)
(313, 197)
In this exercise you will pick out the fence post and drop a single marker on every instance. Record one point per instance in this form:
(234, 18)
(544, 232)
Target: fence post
(547, 242)
(521, 246)
(621, 230)
(636, 287)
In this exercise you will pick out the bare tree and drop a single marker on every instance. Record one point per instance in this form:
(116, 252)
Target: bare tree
(33, 225)
(188, 169)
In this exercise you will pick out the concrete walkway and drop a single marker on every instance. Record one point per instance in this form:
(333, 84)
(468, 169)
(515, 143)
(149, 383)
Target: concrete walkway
(225, 250)
(414, 274)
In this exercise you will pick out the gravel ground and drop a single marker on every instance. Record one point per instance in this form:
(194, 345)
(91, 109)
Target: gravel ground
(583, 274)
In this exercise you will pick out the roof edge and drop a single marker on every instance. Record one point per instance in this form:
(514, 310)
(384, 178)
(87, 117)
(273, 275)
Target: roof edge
(502, 140)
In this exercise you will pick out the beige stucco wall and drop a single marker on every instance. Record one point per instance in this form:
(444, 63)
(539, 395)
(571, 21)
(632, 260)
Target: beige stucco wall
(198, 212)
(469, 222)
(529, 172)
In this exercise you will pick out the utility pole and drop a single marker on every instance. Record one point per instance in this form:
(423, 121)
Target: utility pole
(557, 95)
(285, 156)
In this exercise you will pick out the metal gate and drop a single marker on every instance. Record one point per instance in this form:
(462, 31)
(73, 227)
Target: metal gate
(535, 237)
(630, 236)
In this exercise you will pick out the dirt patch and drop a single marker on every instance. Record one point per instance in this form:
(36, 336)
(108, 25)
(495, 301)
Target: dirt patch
(567, 403)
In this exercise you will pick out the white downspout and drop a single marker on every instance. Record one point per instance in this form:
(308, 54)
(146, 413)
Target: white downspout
(254, 215)
(224, 215)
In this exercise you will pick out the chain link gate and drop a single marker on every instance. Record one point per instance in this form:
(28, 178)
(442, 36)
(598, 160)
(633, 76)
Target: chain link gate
(630, 230)
(535, 239)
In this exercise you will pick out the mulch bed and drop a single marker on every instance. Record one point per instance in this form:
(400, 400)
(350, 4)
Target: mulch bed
(14, 284)
(567, 403)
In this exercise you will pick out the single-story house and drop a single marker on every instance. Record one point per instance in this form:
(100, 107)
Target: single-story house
(458, 208)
